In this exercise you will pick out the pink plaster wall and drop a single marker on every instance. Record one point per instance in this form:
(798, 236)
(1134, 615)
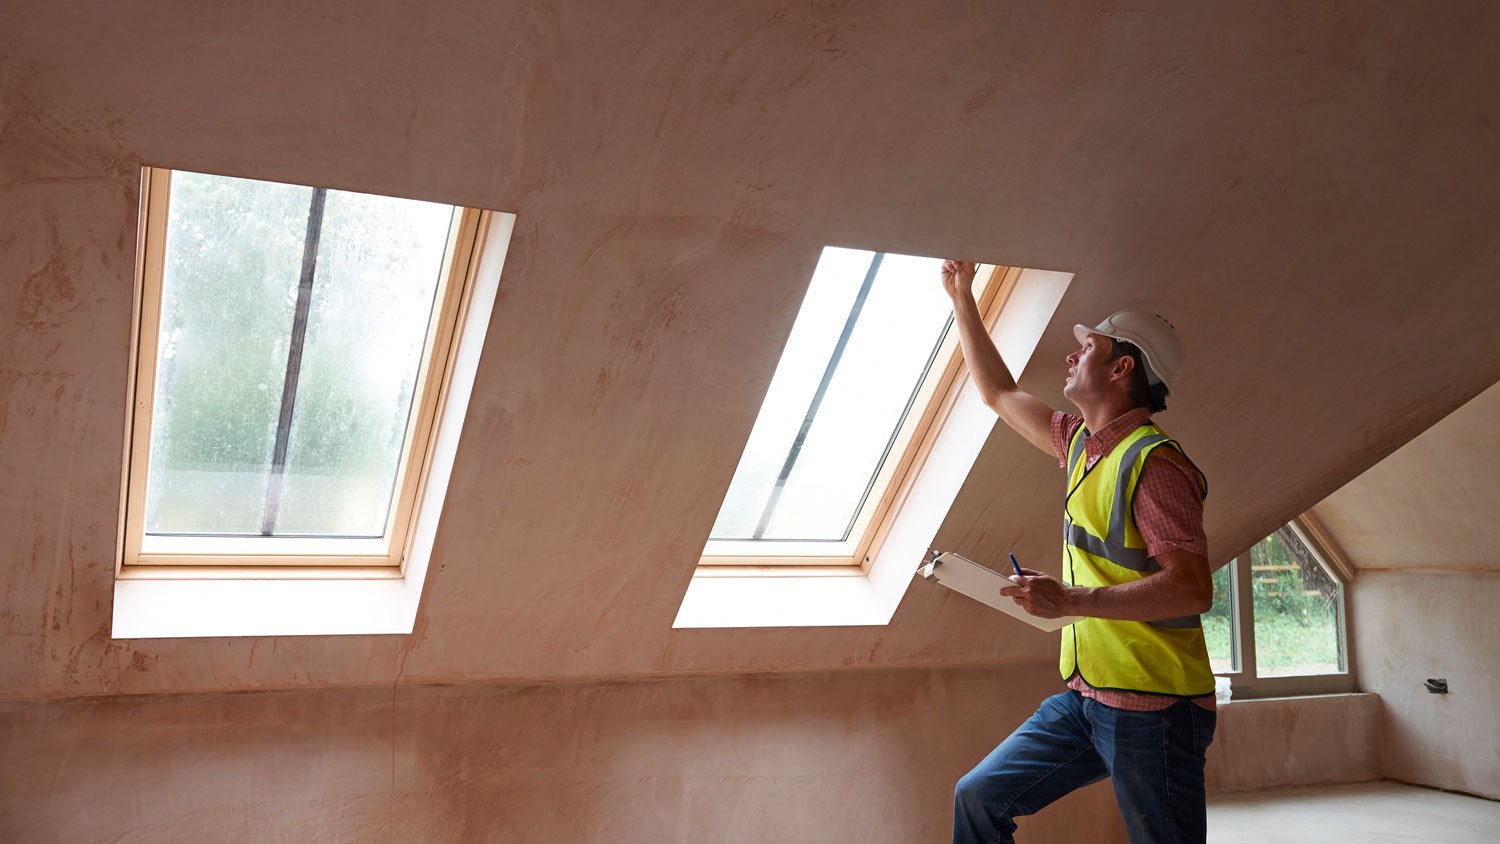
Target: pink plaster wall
(1284, 184)
(863, 756)
(857, 756)
(1414, 625)
(1421, 531)
(1431, 504)
(1290, 742)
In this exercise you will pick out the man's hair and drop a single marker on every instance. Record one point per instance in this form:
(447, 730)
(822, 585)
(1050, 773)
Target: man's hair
(1143, 393)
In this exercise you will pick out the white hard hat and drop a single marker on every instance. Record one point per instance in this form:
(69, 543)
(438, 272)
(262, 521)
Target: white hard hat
(1152, 334)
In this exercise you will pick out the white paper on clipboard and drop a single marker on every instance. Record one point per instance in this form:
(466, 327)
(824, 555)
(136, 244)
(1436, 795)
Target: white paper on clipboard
(967, 577)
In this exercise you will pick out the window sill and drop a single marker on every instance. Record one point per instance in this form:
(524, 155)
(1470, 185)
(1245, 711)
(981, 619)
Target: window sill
(1306, 685)
(1272, 699)
(212, 571)
(156, 609)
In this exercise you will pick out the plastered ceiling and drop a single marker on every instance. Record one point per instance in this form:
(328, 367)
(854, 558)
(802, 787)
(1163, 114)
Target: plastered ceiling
(1431, 505)
(1307, 190)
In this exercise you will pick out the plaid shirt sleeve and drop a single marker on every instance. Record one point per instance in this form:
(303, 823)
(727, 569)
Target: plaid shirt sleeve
(1169, 504)
(1063, 426)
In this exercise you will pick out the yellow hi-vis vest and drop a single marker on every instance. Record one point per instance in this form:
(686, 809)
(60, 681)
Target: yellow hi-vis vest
(1103, 547)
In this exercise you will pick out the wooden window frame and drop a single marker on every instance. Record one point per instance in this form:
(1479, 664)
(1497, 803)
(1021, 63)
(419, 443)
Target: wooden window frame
(282, 557)
(1245, 681)
(935, 397)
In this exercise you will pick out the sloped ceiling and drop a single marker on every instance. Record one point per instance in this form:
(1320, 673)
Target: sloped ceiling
(1307, 190)
(1429, 505)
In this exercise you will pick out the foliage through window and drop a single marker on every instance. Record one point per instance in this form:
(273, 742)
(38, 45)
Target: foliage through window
(1296, 609)
(285, 367)
(1278, 612)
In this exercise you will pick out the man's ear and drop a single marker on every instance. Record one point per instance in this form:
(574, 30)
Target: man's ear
(1122, 366)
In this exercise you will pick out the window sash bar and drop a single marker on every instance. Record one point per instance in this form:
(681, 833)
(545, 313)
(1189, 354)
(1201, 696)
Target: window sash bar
(1336, 571)
(890, 444)
(1245, 615)
(817, 400)
(294, 358)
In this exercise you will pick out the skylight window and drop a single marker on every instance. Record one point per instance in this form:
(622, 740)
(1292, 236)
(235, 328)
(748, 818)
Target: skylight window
(291, 344)
(869, 355)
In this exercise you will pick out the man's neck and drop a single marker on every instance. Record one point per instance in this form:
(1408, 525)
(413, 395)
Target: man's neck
(1097, 416)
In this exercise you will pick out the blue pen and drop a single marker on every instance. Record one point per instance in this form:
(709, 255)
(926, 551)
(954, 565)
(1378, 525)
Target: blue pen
(1015, 565)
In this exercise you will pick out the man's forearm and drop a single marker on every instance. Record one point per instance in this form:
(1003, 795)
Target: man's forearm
(1165, 594)
(996, 386)
(988, 369)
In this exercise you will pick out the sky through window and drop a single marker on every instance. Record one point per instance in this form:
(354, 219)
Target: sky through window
(865, 338)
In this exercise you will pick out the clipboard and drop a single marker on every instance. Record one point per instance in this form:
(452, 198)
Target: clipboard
(967, 577)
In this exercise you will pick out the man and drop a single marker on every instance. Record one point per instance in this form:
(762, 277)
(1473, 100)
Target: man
(1139, 707)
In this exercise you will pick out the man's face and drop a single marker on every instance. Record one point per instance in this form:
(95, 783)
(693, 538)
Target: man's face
(1089, 369)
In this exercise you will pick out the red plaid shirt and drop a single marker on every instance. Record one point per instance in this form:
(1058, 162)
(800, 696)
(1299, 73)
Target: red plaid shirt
(1168, 513)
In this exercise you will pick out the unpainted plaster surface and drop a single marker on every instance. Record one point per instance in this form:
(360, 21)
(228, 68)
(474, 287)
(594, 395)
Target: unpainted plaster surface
(1420, 529)
(1287, 184)
(1415, 625)
(1432, 503)
(869, 756)
(1301, 741)
(1368, 813)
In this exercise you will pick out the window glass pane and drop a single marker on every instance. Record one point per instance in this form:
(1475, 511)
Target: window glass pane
(815, 334)
(233, 256)
(1218, 623)
(899, 328)
(234, 263)
(379, 261)
(1296, 609)
(831, 462)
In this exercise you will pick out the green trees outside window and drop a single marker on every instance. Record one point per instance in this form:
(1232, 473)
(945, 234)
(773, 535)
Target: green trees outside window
(238, 253)
(1293, 612)
(1296, 609)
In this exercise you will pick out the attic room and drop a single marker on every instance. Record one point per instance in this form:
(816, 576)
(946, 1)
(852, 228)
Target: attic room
(651, 296)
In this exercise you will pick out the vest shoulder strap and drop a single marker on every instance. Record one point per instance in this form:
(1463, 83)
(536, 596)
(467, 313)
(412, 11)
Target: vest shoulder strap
(1075, 449)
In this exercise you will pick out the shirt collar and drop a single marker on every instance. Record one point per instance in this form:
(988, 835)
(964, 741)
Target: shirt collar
(1101, 442)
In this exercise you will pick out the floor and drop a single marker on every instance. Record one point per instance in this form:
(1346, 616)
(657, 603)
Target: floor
(1346, 814)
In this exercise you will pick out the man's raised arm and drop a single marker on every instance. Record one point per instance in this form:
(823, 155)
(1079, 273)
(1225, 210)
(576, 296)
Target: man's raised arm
(1027, 414)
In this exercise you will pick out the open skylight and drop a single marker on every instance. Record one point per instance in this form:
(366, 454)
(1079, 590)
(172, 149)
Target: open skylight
(855, 380)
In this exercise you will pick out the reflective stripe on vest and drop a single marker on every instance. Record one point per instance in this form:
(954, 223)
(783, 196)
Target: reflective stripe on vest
(1112, 547)
(1103, 547)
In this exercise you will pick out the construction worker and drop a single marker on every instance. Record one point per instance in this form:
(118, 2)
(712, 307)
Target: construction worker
(1139, 705)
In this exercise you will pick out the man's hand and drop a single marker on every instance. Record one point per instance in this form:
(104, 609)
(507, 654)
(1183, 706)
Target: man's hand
(1023, 412)
(958, 277)
(1042, 595)
(1182, 586)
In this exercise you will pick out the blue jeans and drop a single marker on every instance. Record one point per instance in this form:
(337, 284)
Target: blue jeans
(1155, 760)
